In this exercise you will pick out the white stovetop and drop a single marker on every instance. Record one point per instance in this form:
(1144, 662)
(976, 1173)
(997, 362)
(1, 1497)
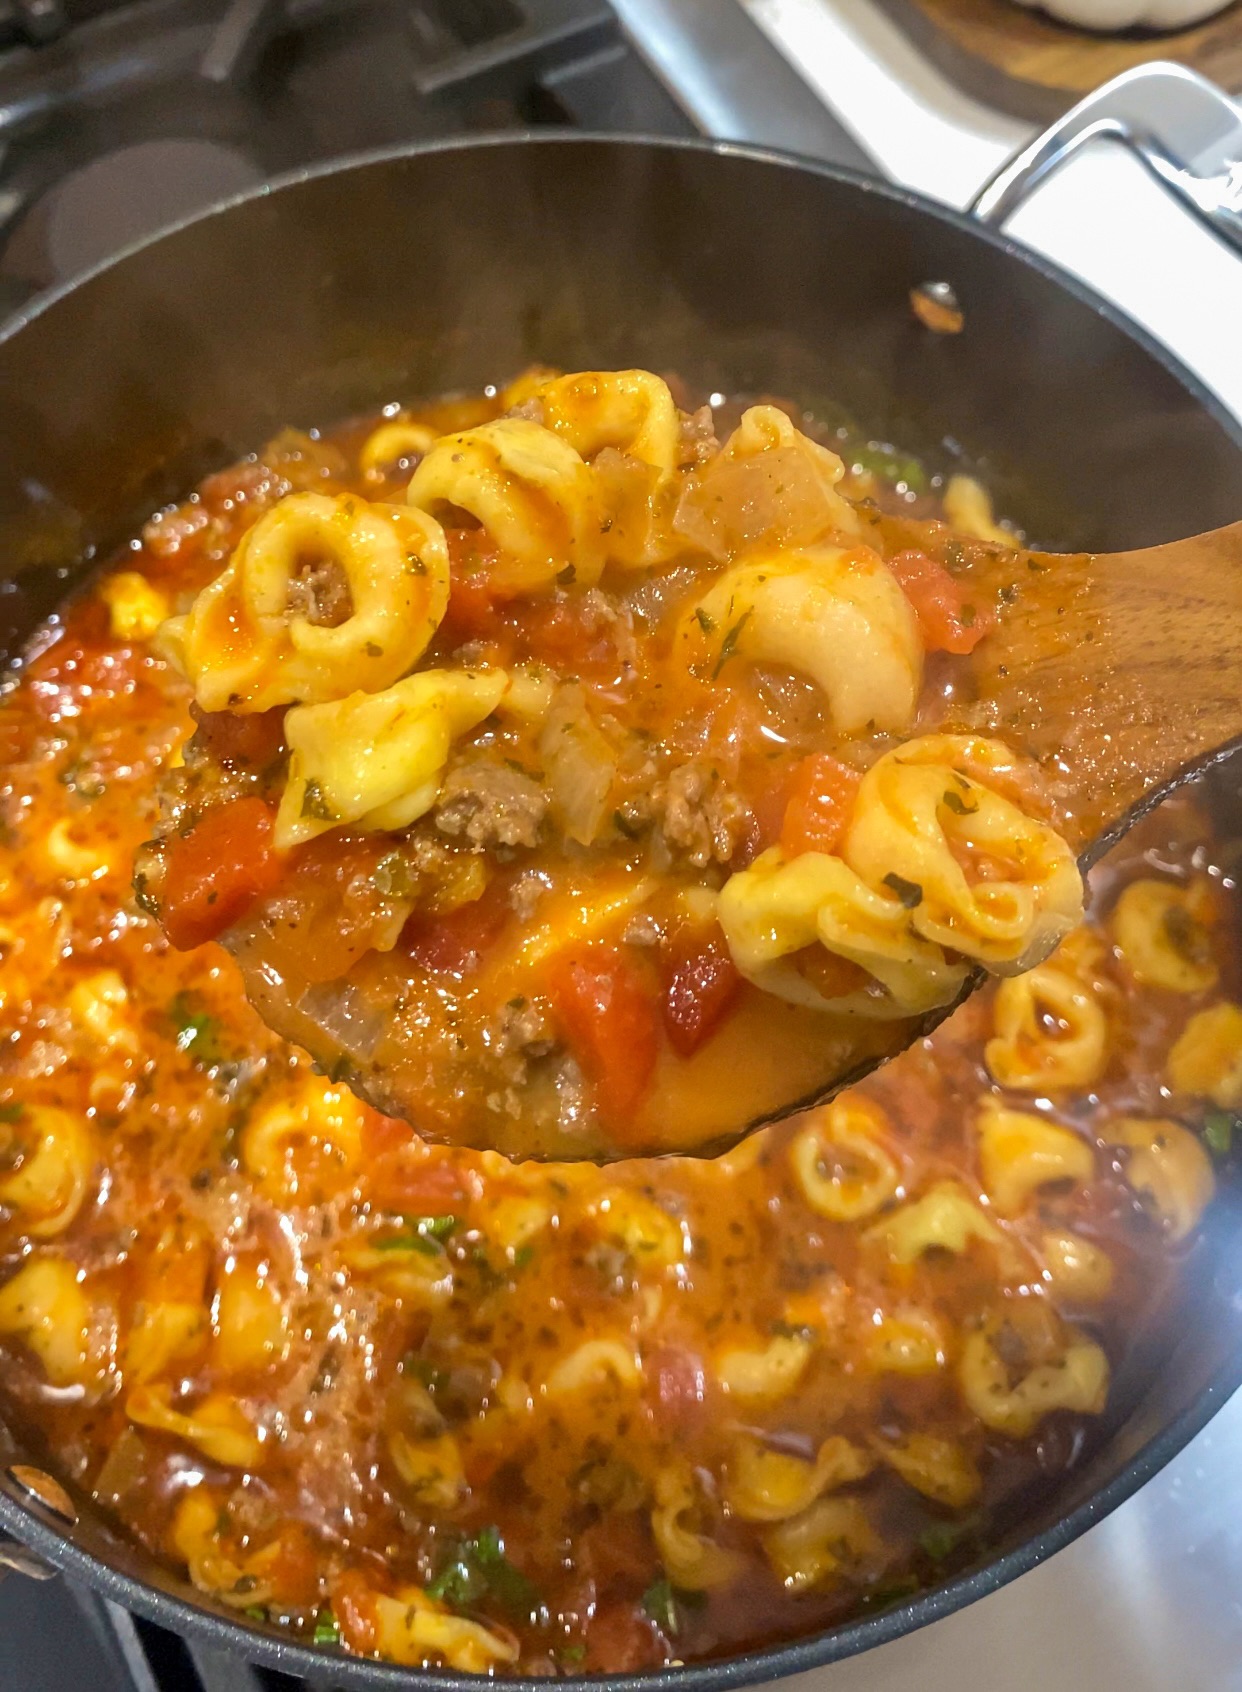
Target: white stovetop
(1101, 217)
(1151, 1599)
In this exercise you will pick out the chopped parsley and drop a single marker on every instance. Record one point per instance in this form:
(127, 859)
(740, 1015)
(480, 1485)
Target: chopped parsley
(314, 804)
(1187, 937)
(198, 1032)
(938, 1539)
(327, 1628)
(1219, 1127)
(729, 643)
(909, 892)
(705, 620)
(958, 805)
(422, 1233)
(479, 1569)
(665, 1602)
(889, 466)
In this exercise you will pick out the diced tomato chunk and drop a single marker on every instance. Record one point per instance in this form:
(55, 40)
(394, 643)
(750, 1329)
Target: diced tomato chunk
(677, 1390)
(403, 1177)
(701, 981)
(609, 1017)
(353, 1604)
(471, 613)
(456, 944)
(621, 1638)
(821, 797)
(216, 872)
(949, 620)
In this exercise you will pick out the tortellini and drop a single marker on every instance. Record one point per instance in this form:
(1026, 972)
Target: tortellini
(296, 1134)
(968, 508)
(397, 439)
(249, 1317)
(834, 1536)
(1028, 1054)
(691, 1558)
(630, 410)
(45, 1306)
(1206, 1059)
(1076, 1269)
(939, 1468)
(241, 1582)
(764, 1374)
(431, 1468)
(1168, 1166)
(770, 1486)
(1076, 1380)
(595, 1363)
(47, 1187)
(778, 906)
(898, 898)
(843, 1167)
(945, 1218)
(268, 631)
(907, 1341)
(377, 759)
(217, 1425)
(836, 616)
(928, 808)
(1161, 932)
(1019, 1154)
(532, 493)
(410, 1627)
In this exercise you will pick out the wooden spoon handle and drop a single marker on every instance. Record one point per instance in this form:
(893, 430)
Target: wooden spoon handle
(1118, 670)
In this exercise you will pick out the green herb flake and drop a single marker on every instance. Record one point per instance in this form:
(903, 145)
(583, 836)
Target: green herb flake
(1188, 938)
(939, 1539)
(729, 643)
(909, 892)
(198, 1032)
(256, 1612)
(414, 564)
(1219, 1127)
(567, 577)
(958, 805)
(661, 1606)
(573, 1653)
(705, 620)
(12, 1111)
(327, 1628)
(890, 1594)
(890, 466)
(479, 1569)
(314, 804)
(373, 649)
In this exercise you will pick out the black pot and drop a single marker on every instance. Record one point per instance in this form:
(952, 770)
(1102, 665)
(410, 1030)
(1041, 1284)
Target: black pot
(449, 267)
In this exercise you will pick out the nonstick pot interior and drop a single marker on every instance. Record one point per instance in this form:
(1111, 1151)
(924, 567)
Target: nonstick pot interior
(452, 267)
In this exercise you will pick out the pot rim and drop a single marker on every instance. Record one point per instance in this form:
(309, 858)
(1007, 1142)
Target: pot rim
(263, 1644)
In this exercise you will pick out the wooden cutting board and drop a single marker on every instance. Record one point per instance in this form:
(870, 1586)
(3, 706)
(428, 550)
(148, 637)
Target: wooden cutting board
(1029, 64)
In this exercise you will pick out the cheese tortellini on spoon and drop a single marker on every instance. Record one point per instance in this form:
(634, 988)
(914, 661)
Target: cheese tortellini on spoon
(936, 869)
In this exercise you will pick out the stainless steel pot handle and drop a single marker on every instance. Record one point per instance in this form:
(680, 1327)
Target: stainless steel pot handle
(1184, 129)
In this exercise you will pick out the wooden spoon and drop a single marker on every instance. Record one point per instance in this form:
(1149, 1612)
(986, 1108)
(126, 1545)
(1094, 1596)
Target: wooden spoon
(1121, 673)
(1124, 682)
